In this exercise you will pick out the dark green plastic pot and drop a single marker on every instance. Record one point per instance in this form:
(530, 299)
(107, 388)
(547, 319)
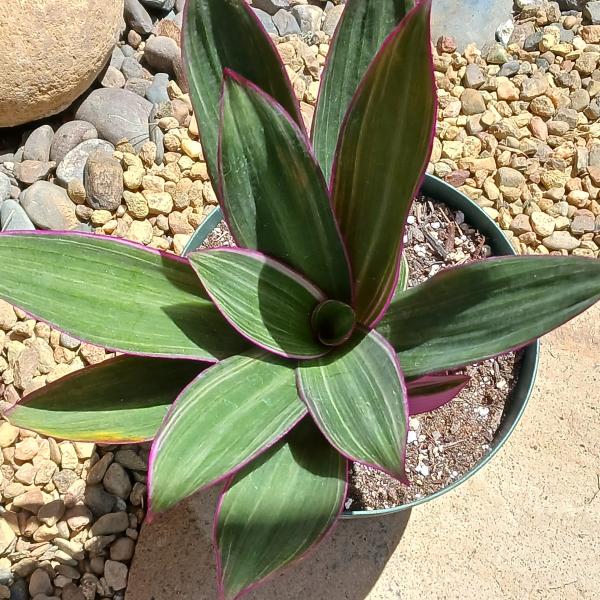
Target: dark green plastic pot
(437, 189)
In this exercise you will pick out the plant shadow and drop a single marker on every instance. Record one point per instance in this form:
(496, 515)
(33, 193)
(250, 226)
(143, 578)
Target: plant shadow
(174, 558)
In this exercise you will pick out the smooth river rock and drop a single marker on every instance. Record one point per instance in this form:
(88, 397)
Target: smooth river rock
(49, 206)
(117, 114)
(68, 136)
(73, 164)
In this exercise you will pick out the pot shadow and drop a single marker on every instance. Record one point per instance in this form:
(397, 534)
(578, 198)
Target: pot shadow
(174, 558)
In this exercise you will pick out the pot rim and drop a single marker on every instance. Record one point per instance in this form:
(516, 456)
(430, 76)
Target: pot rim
(441, 191)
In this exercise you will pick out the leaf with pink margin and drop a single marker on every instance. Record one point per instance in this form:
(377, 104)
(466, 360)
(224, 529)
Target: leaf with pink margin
(220, 34)
(469, 313)
(264, 300)
(383, 150)
(273, 193)
(225, 418)
(357, 397)
(121, 400)
(431, 392)
(115, 294)
(362, 29)
(277, 509)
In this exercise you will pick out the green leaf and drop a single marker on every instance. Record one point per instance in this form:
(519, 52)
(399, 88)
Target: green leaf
(467, 314)
(402, 277)
(277, 508)
(273, 192)
(220, 34)
(383, 151)
(358, 399)
(363, 27)
(120, 400)
(223, 419)
(264, 300)
(114, 294)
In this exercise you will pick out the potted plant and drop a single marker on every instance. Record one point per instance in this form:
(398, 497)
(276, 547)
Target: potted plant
(270, 365)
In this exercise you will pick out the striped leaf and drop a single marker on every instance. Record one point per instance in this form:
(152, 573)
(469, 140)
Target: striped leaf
(114, 294)
(431, 392)
(268, 303)
(122, 400)
(402, 277)
(220, 34)
(362, 29)
(277, 508)
(222, 420)
(358, 399)
(473, 312)
(383, 151)
(273, 192)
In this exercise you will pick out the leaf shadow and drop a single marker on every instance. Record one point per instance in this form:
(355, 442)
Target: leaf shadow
(174, 558)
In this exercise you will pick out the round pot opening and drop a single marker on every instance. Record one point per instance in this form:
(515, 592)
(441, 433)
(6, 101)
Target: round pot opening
(444, 193)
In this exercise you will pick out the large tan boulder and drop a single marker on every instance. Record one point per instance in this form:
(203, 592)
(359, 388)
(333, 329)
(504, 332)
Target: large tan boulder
(50, 53)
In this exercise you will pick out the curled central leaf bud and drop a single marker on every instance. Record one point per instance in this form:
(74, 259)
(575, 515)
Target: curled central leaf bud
(333, 322)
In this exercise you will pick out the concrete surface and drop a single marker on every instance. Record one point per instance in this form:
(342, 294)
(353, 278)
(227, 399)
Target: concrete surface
(469, 20)
(526, 527)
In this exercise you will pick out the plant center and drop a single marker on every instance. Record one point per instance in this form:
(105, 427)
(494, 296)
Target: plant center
(333, 322)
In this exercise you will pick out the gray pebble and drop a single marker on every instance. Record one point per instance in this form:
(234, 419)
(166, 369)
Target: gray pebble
(309, 17)
(116, 58)
(137, 17)
(161, 53)
(110, 523)
(286, 23)
(127, 51)
(138, 86)
(49, 207)
(14, 218)
(37, 146)
(98, 500)
(266, 20)
(5, 186)
(117, 114)
(272, 6)
(132, 68)
(116, 481)
(332, 18)
(69, 136)
(69, 342)
(112, 78)
(73, 164)
(157, 91)
(509, 69)
(591, 13)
